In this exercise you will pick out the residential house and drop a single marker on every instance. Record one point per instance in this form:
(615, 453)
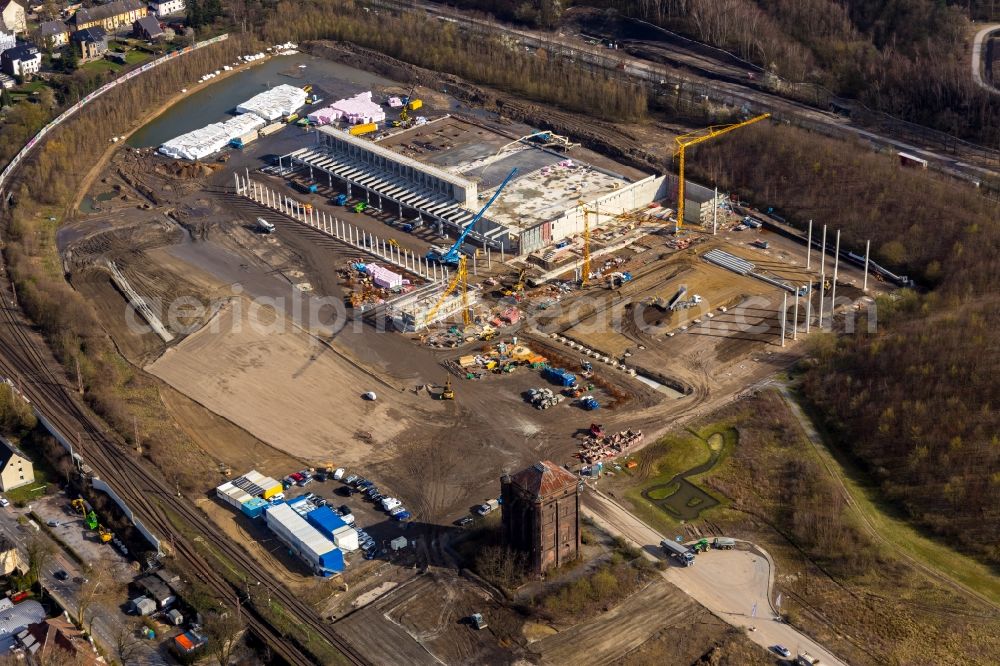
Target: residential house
(52, 35)
(166, 7)
(6, 82)
(8, 38)
(10, 559)
(92, 42)
(148, 28)
(15, 467)
(47, 642)
(13, 16)
(110, 16)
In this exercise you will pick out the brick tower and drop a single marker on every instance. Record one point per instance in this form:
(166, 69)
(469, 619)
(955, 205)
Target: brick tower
(541, 515)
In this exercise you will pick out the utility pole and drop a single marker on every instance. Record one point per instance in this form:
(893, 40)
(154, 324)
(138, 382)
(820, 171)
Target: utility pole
(715, 211)
(795, 322)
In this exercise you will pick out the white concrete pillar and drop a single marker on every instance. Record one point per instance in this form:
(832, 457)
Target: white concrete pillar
(715, 212)
(809, 299)
(795, 323)
(784, 311)
(833, 287)
(822, 291)
(868, 247)
(809, 245)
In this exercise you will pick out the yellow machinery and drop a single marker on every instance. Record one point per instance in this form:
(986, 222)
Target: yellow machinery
(518, 287)
(461, 278)
(685, 141)
(105, 534)
(393, 242)
(448, 393)
(80, 505)
(585, 271)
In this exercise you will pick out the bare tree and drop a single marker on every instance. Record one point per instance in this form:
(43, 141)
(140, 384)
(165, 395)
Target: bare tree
(100, 585)
(40, 551)
(127, 644)
(225, 631)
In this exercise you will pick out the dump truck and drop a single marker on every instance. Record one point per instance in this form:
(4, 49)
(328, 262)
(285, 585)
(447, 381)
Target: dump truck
(305, 188)
(806, 659)
(679, 552)
(365, 128)
(264, 227)
(724, 543)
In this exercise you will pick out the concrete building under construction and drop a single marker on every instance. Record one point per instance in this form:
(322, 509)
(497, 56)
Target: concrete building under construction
(541, 515)
(440, 173)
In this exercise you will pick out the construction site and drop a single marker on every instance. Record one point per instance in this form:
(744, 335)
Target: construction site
(431, 300)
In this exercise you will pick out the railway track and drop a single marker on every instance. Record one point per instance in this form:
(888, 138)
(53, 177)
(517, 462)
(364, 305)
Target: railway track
(149, 494)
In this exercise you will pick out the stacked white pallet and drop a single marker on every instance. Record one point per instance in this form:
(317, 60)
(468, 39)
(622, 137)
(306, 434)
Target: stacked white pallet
(282, 100)
(202, 142)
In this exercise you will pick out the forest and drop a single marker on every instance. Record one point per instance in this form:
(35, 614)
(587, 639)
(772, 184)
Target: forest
(907, 58)
(915, 401)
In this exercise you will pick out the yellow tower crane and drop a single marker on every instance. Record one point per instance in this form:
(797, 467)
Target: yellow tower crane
(585, 270)
(461, 278)
(685, 141)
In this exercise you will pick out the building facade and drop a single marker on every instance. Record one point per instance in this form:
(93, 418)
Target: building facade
(111, 16)
(13, 16)
(15, 467)
(23, 60)
(92, 42)
(52, 34)
(541, 515)
(167, 7)
(8, 39)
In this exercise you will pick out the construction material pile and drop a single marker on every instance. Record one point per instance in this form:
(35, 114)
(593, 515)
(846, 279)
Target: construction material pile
(202, 142)
(357, 110)
(543, 398)
(596, 448)
(499, 359)
(279, 101)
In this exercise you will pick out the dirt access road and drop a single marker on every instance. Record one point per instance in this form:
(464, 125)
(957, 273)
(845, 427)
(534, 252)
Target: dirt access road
(977, 57)
(730, 583)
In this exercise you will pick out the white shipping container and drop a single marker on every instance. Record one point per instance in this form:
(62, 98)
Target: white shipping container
(346, 538)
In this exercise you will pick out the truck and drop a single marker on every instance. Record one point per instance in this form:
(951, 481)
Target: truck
(264, 227)
(489, 507)
(340, 200)
(762, 244)
(305, 188)
(724, 543)
(678, 551)
(806, 659)
(752, 222)
(365, 128)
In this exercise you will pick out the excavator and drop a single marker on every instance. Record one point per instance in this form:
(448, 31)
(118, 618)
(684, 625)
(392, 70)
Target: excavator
(518, 288)
(448, 393)
(105, 534)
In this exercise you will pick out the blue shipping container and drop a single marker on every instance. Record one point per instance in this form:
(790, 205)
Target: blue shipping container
(332, 562)
(559, 376)
(255, 507)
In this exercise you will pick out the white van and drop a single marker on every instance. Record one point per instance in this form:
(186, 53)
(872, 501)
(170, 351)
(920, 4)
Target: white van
(339, 474)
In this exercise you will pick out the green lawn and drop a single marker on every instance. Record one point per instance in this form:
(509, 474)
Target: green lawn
(25, 494)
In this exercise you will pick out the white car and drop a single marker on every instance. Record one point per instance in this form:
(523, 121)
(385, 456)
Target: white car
(348, 518)
(4, 502)
(339, 474)
(390, 503)
(396, 511)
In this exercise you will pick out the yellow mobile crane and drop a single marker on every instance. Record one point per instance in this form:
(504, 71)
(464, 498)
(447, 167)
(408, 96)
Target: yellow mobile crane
(461, 277)
(685, 141)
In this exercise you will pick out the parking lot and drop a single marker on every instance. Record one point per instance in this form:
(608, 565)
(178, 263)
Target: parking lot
(351, 496)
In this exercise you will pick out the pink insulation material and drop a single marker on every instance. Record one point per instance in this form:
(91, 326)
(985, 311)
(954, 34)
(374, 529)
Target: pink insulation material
(359, 109)
(383, 277)
(324, 116)
(395, 102)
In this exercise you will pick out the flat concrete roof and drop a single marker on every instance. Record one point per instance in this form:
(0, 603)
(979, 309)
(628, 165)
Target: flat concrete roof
(548, 183)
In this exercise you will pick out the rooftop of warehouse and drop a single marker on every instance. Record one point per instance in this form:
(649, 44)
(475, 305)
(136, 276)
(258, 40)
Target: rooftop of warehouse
(542, 189)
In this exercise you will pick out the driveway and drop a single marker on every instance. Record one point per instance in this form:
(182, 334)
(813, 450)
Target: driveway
(977, 56)
(735, 585)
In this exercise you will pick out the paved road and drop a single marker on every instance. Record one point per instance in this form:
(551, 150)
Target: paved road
(735, 585)
(108, 618)
(977, 56)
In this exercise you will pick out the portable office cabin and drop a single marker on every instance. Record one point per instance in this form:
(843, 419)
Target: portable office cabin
(303, 539)
(255, 507)
(333, 527)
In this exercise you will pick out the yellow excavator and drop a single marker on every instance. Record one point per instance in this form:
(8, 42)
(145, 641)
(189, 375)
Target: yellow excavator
(448, 393)
(105, 534)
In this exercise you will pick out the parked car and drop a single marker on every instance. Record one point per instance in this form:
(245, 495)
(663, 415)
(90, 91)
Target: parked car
(52, 523)
(389, 503)
(60, 574)
(351, 479)
(296, 477)
(306, 480)
(403, 515)
(396, 510)
(339, 474)
(371, 554)
(345, 491)
(364, 484)
(782, 651)
(4, 501)
(377, 497)
(465, 521)
(320, 476)
(320, 501)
